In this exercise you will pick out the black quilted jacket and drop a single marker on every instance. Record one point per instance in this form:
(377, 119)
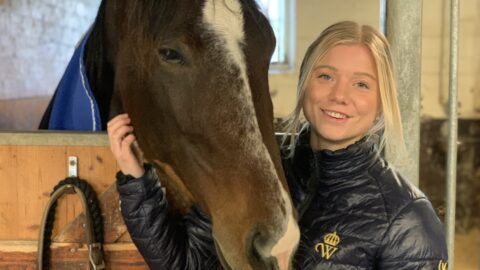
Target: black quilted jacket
(165, 241)
(355, 213)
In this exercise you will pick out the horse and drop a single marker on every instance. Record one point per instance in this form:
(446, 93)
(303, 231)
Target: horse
(193, 77)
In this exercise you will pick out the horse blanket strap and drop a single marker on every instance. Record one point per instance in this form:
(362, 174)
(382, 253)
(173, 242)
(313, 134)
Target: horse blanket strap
(93, 222)
(73, 106)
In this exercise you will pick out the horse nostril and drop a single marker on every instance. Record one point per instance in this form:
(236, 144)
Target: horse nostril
(268, 250)
(259, 251)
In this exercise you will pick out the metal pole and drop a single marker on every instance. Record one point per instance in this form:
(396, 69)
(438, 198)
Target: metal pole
(383, 16)
(404, 32)
(452, 134)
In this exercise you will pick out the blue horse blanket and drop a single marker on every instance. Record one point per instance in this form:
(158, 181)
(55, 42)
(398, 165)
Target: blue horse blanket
(73, 105)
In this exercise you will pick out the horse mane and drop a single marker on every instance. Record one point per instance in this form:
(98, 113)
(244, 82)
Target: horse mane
(100, 71)
(146, 21)
(150, 18)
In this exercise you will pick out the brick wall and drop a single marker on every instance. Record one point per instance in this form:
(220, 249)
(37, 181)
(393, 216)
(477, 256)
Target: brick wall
(36, 42)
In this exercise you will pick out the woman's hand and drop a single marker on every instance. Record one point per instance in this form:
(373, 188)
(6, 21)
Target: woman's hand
(120, 135)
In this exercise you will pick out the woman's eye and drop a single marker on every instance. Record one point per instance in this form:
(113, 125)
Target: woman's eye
(362, 85)
(325, 77)
(171, 56)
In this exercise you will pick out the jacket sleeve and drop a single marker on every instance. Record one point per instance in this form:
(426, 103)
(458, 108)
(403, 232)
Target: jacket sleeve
(165, 242)
(415, 240)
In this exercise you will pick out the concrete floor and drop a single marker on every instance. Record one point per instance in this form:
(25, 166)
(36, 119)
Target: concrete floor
(467, 250)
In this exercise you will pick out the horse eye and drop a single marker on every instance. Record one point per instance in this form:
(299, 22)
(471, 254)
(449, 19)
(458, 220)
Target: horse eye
(171, 56)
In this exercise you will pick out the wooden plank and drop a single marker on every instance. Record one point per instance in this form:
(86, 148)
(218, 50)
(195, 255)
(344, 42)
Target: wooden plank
(54, 138)
(114, 227)
(99, 167)
(28, 175)
(7, 185)
(124, 238)
(39, 171)
(96, 165)
(26, 185)
(71, 256)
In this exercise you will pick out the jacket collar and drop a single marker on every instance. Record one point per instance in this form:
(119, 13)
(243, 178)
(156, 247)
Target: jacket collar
(333, 165)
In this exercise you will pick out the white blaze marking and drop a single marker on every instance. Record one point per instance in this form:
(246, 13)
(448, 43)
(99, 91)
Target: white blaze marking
(284, 248)
(225, 20)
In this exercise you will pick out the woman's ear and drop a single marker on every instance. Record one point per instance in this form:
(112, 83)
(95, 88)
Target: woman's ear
(379, 112)
(378, 117)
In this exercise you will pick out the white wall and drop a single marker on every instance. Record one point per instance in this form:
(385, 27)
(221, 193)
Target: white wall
(435, 58)
(37, 38)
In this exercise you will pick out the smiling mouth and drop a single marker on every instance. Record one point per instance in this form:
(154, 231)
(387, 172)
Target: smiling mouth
(336, 115)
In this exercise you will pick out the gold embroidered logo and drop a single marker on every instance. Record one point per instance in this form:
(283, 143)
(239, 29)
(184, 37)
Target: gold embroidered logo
(442, 265)
(329, 245)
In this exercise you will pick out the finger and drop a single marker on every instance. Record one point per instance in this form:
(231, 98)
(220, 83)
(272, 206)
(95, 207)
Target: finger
(111, 126)
(120, 133)
(114, 127)
(117, 121)
(117, 129)
(117, 136)
(115, 146)
(127, 153)
(127, 143)
(117, 118)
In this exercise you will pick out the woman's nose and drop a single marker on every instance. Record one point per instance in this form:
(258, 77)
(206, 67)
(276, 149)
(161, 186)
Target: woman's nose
(339, 92)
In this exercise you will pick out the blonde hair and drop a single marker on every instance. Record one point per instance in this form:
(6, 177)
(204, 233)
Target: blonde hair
(389, 125)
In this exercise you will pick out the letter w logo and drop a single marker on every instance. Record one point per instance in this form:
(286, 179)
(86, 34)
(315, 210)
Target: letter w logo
(442, 265)
(326, 250)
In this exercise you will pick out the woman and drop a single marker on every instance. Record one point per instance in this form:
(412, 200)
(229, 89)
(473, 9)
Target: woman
(164, 241)
(355, 211)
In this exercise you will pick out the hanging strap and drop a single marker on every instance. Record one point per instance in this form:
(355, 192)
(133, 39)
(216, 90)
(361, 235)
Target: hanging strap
(93, 222)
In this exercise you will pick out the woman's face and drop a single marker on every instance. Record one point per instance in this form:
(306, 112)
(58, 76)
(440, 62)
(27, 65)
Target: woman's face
(342, 97)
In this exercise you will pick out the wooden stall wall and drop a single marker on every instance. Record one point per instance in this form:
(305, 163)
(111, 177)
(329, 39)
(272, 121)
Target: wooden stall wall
(28, 173)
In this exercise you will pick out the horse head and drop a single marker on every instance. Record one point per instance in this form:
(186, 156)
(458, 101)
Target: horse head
(193, 76)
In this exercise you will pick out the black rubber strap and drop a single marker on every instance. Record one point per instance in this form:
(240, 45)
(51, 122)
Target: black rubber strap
(93, 222)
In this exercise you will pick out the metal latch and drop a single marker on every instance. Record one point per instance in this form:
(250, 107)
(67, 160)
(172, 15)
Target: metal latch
(72, 166)
(95, 256)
